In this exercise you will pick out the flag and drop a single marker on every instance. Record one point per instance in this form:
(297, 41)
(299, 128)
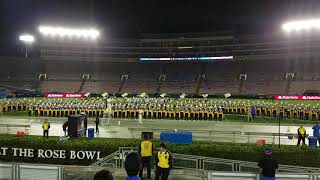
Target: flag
(227, 95)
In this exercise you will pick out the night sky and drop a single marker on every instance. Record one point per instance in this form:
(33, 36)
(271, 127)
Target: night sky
(129, 18)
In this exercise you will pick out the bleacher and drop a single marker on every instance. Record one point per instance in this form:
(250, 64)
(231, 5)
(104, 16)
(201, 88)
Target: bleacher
(298, 87)
(60, 86)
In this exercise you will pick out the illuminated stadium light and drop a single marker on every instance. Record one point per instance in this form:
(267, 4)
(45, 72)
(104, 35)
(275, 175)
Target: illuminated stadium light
(63, 32)
(26, 38)
(301, 25)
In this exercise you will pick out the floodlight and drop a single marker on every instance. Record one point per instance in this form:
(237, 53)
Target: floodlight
(26, 38)
(301, 25)
(82, 33)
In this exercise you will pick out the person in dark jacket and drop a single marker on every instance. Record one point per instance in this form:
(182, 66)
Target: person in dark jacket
(64, 127)
(164, 163)
(268, 164)
(316, 129)
(97, 124)
(103, 175)
(301, 135)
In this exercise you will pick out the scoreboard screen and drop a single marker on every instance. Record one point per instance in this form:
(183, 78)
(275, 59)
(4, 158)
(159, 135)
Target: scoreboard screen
(187, 58)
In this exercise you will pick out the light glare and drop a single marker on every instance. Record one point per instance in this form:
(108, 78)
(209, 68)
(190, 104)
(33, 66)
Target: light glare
(27, 38)
(301, 25)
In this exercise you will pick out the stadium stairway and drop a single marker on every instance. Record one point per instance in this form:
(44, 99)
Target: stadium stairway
(83, 82)
(288, 84)
(37, 84)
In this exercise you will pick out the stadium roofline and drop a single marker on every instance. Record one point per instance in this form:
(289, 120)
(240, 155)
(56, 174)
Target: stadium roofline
(225, 35)
(185, 35)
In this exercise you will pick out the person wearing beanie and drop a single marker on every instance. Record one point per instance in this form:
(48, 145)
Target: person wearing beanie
(103, 175)
(268, 165)
(132, 165)
(164, 163)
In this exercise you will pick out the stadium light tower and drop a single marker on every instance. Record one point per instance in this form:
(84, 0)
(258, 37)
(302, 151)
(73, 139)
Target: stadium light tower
(301, 25)
(27, 39)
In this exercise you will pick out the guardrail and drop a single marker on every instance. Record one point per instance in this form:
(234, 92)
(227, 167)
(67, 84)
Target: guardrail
(48, 172)
(61, 172)
(256, 176)
(201, 163)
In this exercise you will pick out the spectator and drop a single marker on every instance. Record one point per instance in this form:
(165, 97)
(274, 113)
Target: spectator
(316, 129)
(46, 127)
(132, 165)
(164, 163)
(268, 165)
(103, 175)
(301, 135)
(64, 127)
(145, 150)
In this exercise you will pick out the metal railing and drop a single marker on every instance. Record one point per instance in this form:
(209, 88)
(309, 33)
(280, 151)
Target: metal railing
(201, 163)
(23, 171)
(61, 172)
(256, 176)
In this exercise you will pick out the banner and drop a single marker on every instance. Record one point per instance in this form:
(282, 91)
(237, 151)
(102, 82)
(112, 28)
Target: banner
(64, 95)
(55, 154)
(296, 97)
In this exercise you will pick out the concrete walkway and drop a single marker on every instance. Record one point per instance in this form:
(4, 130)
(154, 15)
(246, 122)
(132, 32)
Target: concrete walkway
(120, 128)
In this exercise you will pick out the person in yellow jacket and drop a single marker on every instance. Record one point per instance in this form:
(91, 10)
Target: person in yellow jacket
(301, 135)
(46, 127)
(145, 150)
(164, 163)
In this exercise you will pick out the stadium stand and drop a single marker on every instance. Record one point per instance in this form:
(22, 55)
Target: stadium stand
(265, 61)
(180, 77)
